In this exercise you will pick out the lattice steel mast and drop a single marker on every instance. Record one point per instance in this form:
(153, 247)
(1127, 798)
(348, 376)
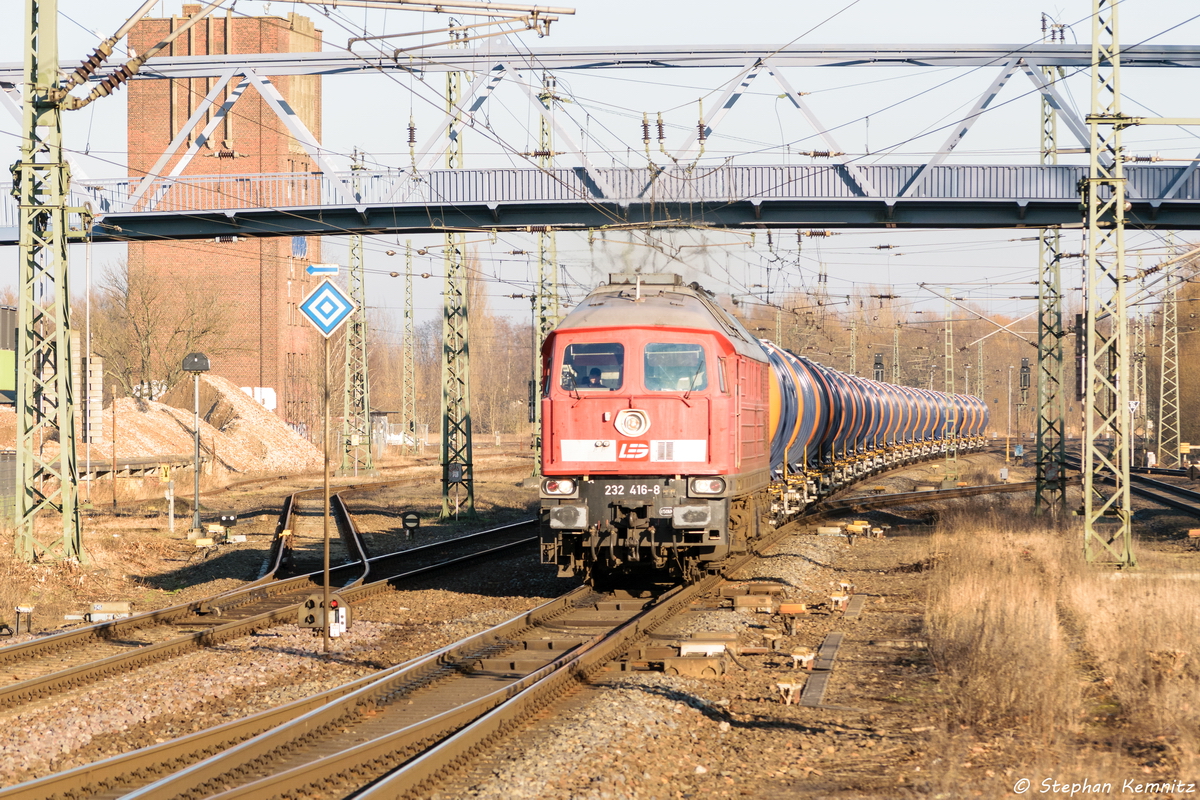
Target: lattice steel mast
(950, 432)
(545, 296)
(456, 458)
(979, 373)
(1106, 496)
(47, 474)
(408, 374)
(1050, 493)
(1168, 379)
(896, 355)
(356, 405)
(1138, 358)
(854, 347)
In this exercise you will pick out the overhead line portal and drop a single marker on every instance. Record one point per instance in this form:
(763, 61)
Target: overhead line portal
(700, 57)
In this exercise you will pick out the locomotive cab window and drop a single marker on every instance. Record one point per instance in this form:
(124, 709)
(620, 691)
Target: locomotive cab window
(593, 366)
(675, 367)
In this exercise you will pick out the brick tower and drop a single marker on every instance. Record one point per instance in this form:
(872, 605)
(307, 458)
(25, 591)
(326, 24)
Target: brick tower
(261, 281)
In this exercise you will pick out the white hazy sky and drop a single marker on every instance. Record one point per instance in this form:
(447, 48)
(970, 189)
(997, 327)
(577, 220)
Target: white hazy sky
(896, 115)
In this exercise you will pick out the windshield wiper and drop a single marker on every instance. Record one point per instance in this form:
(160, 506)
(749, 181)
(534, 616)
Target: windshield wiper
(692, 384)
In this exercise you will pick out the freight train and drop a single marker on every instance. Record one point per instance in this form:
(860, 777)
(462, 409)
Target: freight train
(672, 437)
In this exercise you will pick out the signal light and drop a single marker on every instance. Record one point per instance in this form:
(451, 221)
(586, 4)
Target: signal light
(560, 486)
(707, 485)
(312, 613)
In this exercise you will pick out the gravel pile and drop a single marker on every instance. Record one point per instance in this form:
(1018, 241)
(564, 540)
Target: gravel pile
(242, 434)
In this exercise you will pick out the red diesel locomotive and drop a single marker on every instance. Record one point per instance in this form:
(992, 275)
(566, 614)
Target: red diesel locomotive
(671, 436)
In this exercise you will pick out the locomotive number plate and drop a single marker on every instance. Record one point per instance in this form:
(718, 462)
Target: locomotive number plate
(633, 489)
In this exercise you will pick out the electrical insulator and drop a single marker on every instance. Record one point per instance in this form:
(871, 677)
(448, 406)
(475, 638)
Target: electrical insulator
(412, 132)
(1080, 356)
(645, 129)
(662, 129)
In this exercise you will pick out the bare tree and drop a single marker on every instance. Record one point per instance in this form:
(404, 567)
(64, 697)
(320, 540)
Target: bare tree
(144, 323)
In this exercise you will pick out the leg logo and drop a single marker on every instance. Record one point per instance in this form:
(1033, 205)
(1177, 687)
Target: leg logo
(633, 451)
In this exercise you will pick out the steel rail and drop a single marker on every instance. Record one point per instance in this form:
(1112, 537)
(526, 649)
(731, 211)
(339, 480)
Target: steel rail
(114, 629)
(1185, 500)
(355, 759)
(265, 586)
(419, 673)
(119, 628)
(293, 591)
(418, 777)
(581, 664)
(118, 770)
(866, 502)
(576, 664)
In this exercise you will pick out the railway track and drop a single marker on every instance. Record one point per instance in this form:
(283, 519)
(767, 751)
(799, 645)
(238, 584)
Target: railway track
(1161, 492)
(422, 716)
(1167, 494)
(397, 730)
(395, 733)
(42, 667)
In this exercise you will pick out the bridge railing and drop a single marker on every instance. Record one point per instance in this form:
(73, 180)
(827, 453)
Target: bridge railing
(677, 185)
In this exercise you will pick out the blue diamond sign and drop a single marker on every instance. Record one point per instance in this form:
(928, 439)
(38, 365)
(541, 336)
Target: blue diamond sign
(327, 307)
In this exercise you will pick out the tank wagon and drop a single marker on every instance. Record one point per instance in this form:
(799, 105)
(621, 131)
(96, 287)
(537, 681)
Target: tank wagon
(671, 436)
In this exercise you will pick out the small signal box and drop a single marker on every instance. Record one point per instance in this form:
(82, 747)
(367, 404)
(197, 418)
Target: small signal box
(312, 614)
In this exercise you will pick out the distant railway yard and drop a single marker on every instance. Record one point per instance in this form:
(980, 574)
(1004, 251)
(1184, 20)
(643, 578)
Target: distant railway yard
(948, 647)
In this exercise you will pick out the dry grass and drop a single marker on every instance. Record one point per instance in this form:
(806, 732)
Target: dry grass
(1141, 629)
(993, 624)
(50, 587)
(1079, 668)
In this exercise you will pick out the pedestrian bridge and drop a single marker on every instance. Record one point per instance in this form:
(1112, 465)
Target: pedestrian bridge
(806, 196)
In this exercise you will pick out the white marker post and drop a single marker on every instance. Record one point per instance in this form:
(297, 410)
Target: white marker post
(326, 307)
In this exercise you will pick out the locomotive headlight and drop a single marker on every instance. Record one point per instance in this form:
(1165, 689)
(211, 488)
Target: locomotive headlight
(707, 485)
(632, 422)
(558, 486)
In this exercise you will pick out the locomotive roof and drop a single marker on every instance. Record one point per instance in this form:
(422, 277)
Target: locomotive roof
(655, 305)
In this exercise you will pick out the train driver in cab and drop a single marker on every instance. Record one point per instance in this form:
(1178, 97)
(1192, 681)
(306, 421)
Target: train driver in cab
(593, 379)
